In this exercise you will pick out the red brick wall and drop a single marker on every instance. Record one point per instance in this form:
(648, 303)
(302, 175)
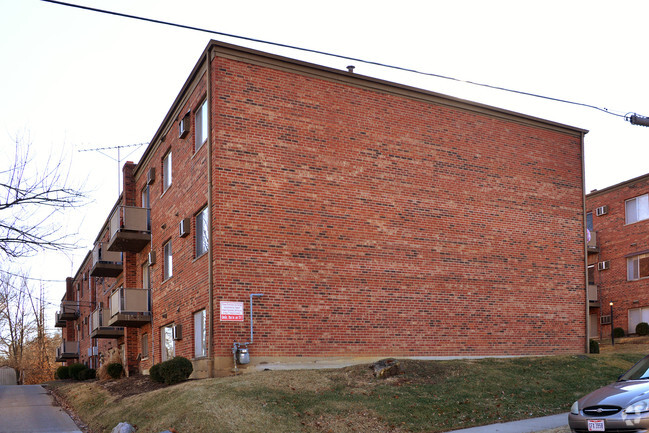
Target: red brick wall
(616, 240)
(373, 223)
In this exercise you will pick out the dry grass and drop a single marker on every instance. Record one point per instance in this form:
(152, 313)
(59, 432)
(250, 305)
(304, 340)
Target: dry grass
(432, 396)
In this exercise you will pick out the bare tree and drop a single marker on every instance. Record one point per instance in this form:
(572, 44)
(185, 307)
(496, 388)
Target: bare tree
(31, 197)
(17, 323)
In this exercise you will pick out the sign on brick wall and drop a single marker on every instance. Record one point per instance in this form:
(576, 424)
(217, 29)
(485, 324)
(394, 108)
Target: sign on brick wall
(231, 311)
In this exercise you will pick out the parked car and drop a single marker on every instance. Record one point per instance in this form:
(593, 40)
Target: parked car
(622, 406)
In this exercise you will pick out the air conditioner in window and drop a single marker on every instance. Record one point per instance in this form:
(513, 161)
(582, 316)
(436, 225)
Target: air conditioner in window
(605, 320)
(602, 210)
(151, 258)
(183, 126)
(150, 176)
(601, 266)
(184, 227)
(177, 332)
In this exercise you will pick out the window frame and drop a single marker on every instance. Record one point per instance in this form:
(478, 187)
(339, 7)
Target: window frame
(167, 171)
(167, 263)
(633, 267)
(201, 125)
(144, 344)
(167, 352)
(637, 209)
(200, 334)
(202, 232)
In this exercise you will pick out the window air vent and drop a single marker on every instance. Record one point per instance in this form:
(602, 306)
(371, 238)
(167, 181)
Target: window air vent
(605, 320)
(602, 210)
(151, 258)
(602, 266)
(177, 332)
(150, 176)
(184, 227)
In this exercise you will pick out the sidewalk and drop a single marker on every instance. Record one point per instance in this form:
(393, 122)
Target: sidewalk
(523, 426)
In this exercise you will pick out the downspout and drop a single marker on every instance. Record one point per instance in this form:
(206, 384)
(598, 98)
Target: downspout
(210, 249)
(585, 244)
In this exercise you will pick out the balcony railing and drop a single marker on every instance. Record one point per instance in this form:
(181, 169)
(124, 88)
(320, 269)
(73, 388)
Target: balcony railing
(99, 325)
(67, 350)
(59, 322)
(130, 307)
(592, 243)
(130, 229)
(69, 311)
(105, 263)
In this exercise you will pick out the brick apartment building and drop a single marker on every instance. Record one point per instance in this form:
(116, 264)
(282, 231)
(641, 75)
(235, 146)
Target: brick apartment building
(618, 256)
(356, 218)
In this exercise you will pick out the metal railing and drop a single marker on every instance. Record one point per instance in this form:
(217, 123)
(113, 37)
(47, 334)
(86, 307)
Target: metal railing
(130, 301)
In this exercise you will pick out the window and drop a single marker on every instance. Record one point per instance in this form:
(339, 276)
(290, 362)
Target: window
(200, 340)
(166, 172)
(589, 221)
(146, 203)
(146, 280)
(637, 267)
(200, 125)
(145, 345)
(637, 209)
(202, 232)
(168, 262)
(167, 347)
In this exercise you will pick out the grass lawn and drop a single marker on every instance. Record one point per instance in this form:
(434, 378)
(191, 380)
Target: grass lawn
(431, 396)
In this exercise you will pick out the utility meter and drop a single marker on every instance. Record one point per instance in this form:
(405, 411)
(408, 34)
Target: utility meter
(242, 356)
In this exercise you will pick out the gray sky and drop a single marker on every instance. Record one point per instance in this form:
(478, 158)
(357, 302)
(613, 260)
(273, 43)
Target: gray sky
(73, 79)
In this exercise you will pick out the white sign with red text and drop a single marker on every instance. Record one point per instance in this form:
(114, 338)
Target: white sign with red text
(231, 311)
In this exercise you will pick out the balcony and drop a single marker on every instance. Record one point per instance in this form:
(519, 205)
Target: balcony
(67, 350)
(58, 322)
(592, 243)
(100, 329)
(105, 263)
(593, 299)
(130, 229)
(130, 307)
(69, 311)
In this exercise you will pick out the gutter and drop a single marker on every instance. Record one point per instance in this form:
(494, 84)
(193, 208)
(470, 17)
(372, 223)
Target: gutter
(210, 253)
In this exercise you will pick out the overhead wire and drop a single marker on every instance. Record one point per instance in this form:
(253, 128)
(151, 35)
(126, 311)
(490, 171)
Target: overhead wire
(324, 53)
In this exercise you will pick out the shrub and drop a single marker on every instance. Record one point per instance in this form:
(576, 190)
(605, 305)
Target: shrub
(642, 328)
(115, 370)
(102, 374)
(594, 346)
(154, 373)
(618, 333)
(75, 371)
(62, 372)
(88, 373)
(172, 371)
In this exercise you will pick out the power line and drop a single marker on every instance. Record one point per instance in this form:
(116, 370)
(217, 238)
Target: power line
(354, 59)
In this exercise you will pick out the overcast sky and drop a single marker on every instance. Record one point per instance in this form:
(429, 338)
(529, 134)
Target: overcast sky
(73, 80)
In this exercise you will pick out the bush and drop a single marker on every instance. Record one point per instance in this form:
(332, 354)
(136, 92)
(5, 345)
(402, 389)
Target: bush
(172, 371)
(618, 333)
(115, 370)
(154, 373)
(88, 373)
(75, 371)
(594, 346)
(642, 328)
(62, 372)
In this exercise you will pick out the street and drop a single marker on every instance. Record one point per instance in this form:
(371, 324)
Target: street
(29, 409)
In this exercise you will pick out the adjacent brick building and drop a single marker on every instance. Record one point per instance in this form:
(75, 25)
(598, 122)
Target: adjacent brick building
(358, 218)
(618, 259)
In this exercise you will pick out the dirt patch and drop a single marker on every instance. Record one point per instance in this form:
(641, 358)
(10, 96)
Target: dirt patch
(128, 386)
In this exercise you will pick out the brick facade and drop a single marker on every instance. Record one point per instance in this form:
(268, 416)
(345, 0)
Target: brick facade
(616, 242)
(376, 220)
